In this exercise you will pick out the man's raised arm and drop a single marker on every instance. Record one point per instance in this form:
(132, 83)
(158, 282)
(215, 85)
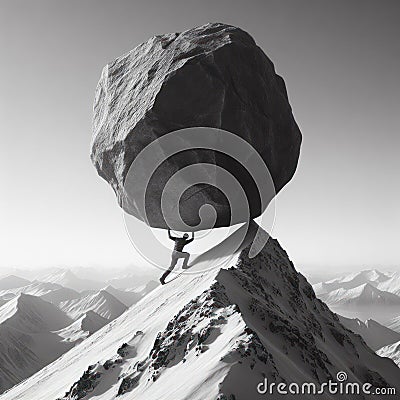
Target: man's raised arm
(191, 239)
(170, 236)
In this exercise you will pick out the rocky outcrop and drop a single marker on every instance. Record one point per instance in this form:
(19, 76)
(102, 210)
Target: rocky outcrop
(210, 76)
(219, 334)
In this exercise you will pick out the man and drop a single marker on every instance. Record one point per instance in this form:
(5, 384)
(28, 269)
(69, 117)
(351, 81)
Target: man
(177, 253)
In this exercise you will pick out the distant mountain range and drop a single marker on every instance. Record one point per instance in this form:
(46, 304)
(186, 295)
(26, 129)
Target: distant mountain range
(27, 340)
(101, 302)
(369, 294)
(68, 279)
(41, 320)
(363, 295)
(86, 325)
(64, 285)
(119, 277)
(12, 281)
(244, 321)
(394, 323)
(216, 335)
(373, 277)
(374, 334)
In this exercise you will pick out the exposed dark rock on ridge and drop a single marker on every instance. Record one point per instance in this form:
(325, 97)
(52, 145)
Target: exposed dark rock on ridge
(258, 319)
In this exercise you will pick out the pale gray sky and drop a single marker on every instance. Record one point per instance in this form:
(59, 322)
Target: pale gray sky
(340, 60)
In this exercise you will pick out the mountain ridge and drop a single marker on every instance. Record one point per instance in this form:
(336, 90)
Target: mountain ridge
(229, 327)
(102, 302)
(374, 334)
(391, 351)
(27, 342)
(83, 327)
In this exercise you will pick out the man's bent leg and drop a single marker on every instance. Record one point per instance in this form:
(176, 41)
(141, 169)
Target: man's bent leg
(185, 257)
(174, 259)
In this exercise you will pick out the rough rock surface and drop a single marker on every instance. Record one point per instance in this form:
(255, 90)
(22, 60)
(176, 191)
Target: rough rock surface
(216, 336)
(210, 76)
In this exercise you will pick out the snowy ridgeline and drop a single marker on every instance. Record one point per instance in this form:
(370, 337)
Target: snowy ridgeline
(365, 288)
(367, 295)
(41, 320)
(212, 336)
(369, 304)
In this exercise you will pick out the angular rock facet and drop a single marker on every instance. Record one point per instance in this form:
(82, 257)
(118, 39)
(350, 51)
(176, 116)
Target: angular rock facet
(210, 76)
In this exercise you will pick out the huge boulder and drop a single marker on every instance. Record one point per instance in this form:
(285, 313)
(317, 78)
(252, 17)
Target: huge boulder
(211, 76)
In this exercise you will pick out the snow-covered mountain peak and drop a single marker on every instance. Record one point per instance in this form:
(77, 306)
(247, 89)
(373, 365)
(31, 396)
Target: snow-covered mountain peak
(391, 351)
(366, 289)
(32, 314)
(384, 281)
(24, 300)
(370, 275)
(370, 323)
(102, 302)
(68, 279)
(364, 295)
(91, 317)
(126, 297)
(105, 293)
(83, 327)
(27, 343)
(374, 334)
(220, 333)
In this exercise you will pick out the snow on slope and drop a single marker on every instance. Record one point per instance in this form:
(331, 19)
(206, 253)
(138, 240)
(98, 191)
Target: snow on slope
(30, 313)
(391, 351)
(364, 295)
(374, 334)
(126, 297)
(133, 281)
(392, 284)
(85, 326)
(35, 288)
(26, 341)
(69, 280)
(219, 332)
(373, 277)
(394, 324)
(142, 290)
(387, 282)
(368, 294)
(61, 294)
(102, 303)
